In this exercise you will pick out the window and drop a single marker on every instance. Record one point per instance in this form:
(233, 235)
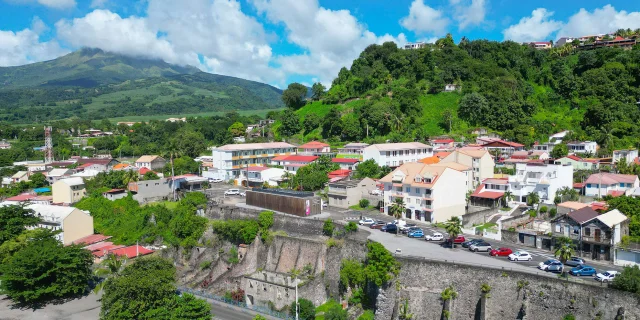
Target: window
(587, 231)
(622, 184)
(576, 230)
(558, 228)
(588, 185)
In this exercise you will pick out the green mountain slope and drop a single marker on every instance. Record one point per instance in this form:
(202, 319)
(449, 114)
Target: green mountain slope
(93, 84)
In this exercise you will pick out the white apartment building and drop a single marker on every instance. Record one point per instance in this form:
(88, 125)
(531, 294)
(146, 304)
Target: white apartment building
(583, 147)
(604, 183)
(545, 147)
(415, 45)
(557, 138)
(430, 193)
(629, 155)
(258, 176)
(396, 154)
(479, 160)
(544, 179)
(229, 160)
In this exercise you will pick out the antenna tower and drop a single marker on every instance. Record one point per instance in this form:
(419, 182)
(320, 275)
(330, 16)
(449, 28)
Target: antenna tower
(48, 145)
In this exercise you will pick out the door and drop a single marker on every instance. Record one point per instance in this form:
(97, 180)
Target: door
(598, 234)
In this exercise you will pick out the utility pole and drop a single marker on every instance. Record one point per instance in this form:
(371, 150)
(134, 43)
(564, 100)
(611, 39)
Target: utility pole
(297, 304)
(173, 180)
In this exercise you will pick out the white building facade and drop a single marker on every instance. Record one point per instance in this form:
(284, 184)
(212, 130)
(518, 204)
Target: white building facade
(229, 160)
(583, 147)
(543, 179)
(604, 183)
(629, 155)
(396, 154)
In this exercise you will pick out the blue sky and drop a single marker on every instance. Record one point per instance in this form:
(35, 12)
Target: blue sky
(281, 41)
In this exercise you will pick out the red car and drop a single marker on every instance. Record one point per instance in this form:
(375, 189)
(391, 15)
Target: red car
(457, 240)
(378, 225)
(502, 252)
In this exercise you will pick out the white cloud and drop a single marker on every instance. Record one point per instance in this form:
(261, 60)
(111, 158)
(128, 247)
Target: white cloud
(22, 47)
(98, 3)
(471, 14)
(424, 19)
(538, 27)
(332, 39)
(601, 20)
(56, 4)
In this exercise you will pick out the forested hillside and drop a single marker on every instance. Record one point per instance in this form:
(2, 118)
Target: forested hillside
(92, 84)
(522, 93)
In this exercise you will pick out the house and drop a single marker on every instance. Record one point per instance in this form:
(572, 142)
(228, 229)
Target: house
(338, 175)
(543, 179)
(176, 119)
(72, 222)
(292, 163)
(6, 182)
(604, 183)
(20, 176)
(628, 155)
(151, 162)
(188, 182)
(430, 193)
(452, 87)
(30, 198)
(57, 174)
(414, 45)
(562, 41)
(558, 138)
(229, 160)
(68, 191)
(595, 235)
(59, 164)
(618, 42)
(258, 176)
(346, 163)
(396, 154)
(99, 164)
(540, 45)
(32, 165)
(151, 190)
(353, 149)
(130, 252)
(583, 147)
(314, 148)
(442, 143)
(123, 166)
(579, 163)
(346, 193)
(569, 206)
(545, 147)
(489, 193)
(484, 140)
(115, 194)
(266, 122)
(4, 145)
(502, 148)
(479, 160)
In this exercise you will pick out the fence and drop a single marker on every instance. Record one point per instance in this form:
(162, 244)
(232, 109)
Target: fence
(263, 310)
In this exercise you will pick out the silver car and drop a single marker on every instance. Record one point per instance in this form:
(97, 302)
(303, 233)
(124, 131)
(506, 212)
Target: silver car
(574, 262)
(480, 246)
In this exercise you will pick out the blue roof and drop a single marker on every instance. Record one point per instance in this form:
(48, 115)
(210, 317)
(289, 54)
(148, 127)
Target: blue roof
(42, 190)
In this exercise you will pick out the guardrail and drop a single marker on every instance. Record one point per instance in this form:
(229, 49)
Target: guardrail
(536, 272)
(263, 310)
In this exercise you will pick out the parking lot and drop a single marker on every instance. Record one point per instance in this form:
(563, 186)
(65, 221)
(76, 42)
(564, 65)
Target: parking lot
(217, 190)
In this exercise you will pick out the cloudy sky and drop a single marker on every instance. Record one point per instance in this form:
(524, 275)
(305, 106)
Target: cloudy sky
(281, 41)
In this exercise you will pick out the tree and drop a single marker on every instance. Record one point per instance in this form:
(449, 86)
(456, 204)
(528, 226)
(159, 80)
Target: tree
(182, 165)
(506, 198)
(381, 265)
(559, 151)
(110, 267)
(453, 226)
(150, 175)
(533, 199)
(318, 91)
(397, 208)
(564, 250)
(259, 317)
(473, 108)
(310, 122)
(363, 203)
(336, 312)
(237, 129)
(45, 270)
(628, 279)
(331, 124)
(327, 228)
(447, 118)
(306, 309)
(38, 180)
(13, 221)
(294, 96)
(10, 247)
(367, 169)
(290, 123)
(189, 143)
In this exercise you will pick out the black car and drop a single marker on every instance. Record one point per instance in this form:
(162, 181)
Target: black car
(468, 243)
(391, 228)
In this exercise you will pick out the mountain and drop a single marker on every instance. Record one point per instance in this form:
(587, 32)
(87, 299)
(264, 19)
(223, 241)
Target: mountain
(94, 84)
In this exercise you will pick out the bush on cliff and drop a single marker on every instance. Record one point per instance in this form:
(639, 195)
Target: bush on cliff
(306, 310)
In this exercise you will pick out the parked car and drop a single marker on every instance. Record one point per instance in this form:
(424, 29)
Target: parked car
(418, 233)
(377, 225)
(520, 256)
(436, 236)
(243, 194)
(551, 265)
(391, 228)
(606, 277)
(366, 221)
(583, 270)
(411, 229)
(574, 262)
(375, 192)
(399, 223)
(215, 180)
(406, 227)
(232, 192)
(502, 252)
(480, 246)
(469, 242)
(457, 240)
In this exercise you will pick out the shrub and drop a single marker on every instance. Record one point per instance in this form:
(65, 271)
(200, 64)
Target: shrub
(332, 242)
(553, 212)
(544, 209)
(363, 203)
(327, 228)
(306, 309)
(233, 256)
(367, 315)
(237, 295)
(205, 264)
(351, 227)
(265, 219)
(533, 214)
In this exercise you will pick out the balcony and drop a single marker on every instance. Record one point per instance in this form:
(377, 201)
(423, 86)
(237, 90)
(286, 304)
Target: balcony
(595, 239)
(337, 190)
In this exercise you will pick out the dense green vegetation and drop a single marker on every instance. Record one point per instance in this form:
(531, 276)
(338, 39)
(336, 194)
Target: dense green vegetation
(246, 230)
(92, 84)
(523, 93)
(630, 206)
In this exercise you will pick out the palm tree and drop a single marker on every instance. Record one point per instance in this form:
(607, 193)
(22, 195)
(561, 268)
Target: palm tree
(564, 250)
(288, 176)
(397, 208)
(110, 267)
(130, 176)
(533, 199)
(454, 228)
(506, 197)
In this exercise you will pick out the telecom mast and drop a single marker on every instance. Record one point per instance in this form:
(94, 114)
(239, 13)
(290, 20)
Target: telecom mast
(48, 145)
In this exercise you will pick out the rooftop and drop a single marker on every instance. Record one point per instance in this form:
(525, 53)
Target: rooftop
(411, 169)
(301, 158)
(612, 218)
(257, 168)
(345, 160)
(313, 145)
(573, 205)
(254, 146)
(430, 160)
(611, 178)
(91, 239)
(148, 158)
(101, 161)
(355, 145)
(583, 215)
(72, 181)
(399, 146)
(57, 172)
(21, 197)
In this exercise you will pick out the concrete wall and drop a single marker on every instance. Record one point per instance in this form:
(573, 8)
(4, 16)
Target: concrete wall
(541, 297)
(76, 225)
(478, 217)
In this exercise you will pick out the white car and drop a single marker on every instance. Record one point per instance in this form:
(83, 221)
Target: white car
(243, 194)
(232, 192)
(366, 221)
(520, 256)
(437, 236)
(546, 264)
(375, 192)
(606, 277)
(215, 180)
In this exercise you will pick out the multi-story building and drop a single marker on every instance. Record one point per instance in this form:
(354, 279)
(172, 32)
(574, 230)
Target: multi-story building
(151, 162)
(479, 160)
(430, 193)
(346, 193)
(315, 148)
(442, 143)
(582, 147)
(543, 179)
(396, 154)
(544, 147)
(352, 150)
(579, 163)
(604, 183)
(629, 155)
(503, 148)
(229, 160)
(68, 191)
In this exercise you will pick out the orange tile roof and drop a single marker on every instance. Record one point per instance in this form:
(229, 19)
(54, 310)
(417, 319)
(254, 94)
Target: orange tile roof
(430, 160)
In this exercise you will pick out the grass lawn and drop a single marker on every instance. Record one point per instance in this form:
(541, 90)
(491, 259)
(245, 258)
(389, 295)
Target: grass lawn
(486, 226)
(359, 208)
(324, 307)
(167, 204)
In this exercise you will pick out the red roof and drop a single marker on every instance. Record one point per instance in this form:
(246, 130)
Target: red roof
(574, 158)
(339, 172)
(21, 197)
(98, 246)
(579, 185)
(344, 160)
(91, 239)
(103, 251)
(486, 194)
(144, 170)
(313, 145)
(442, 154)
(615, 193)
(301, 158)
(257, 168)
(115, 191)
(82, 166)
(443, 141)
(636, 160)
(131, 251)
(279, 158)
(507, 143)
